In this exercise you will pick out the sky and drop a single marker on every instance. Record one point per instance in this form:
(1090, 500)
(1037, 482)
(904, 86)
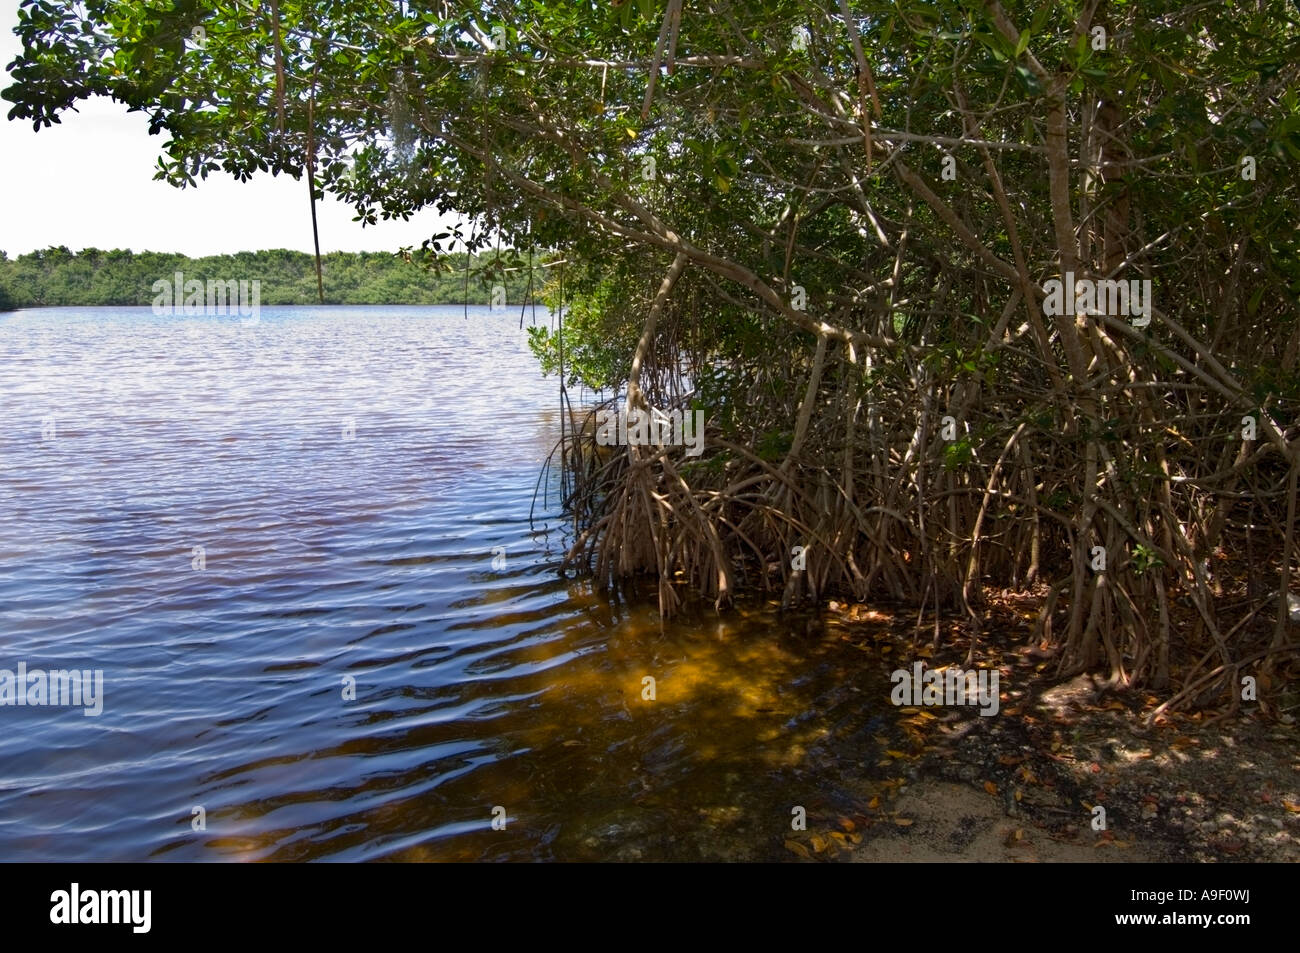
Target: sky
(88, 183)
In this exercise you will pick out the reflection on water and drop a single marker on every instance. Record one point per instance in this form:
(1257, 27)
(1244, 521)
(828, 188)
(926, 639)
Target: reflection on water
(351, 474)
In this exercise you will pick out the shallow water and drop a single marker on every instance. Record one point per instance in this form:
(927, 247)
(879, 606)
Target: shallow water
(354, 476)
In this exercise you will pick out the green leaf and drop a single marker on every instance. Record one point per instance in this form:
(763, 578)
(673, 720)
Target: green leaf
(1029, 80)
(1252, 306)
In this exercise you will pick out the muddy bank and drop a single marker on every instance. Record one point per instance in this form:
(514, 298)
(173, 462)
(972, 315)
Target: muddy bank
(1032, 782)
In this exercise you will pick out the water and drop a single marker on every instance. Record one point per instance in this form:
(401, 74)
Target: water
(350, 475)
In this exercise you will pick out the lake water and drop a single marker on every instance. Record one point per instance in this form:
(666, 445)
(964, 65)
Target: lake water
(237, 522)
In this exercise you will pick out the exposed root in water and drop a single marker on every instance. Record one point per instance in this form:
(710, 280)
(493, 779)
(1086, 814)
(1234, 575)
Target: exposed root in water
(1151, 583)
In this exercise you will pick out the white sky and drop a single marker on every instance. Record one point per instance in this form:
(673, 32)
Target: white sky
(88, 182)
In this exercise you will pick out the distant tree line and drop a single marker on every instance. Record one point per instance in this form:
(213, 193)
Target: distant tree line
(59, 276)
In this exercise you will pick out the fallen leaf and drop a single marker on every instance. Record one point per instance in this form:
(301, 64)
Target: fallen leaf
(904, 821)
(874, 803)
(990, 787)
(847, 824)
(798, 848)
(819, 843)
(1291, 806)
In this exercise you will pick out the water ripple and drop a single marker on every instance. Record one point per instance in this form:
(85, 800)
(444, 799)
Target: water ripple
(242, 526)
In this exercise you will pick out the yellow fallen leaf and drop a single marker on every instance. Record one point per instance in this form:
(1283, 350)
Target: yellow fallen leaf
(856, 838)
(818, 843)
(896, 754)
(904, 821)
(990, 787)
(798, 848)
(1291, 806)
(847, 824)
(874, 803)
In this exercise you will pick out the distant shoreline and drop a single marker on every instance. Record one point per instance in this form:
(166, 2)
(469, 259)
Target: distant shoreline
(91, 278)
